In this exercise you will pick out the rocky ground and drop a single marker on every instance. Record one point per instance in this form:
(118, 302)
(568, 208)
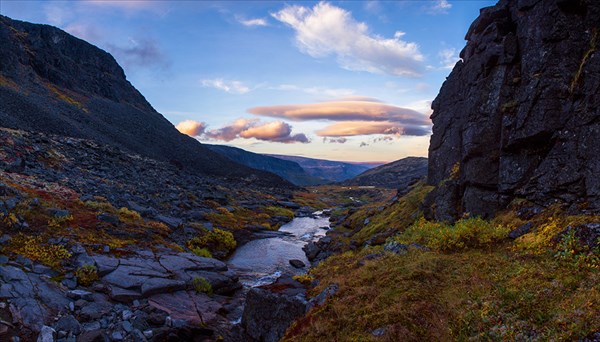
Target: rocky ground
(74, 267)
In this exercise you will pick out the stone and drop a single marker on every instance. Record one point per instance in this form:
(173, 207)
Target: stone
(161, 285)
(396, 247)
(297, 263)
(47, 334)
(59, 212)
(108, 218)
(69, 324)
(171, 222)
(105, 264)
(120, 294)
(267, 315)
(117, 336)
(521, 230)
(127, 326)
(379, 332)
(80, 294)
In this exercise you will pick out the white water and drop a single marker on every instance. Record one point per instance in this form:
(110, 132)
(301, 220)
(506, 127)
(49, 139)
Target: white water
(262, 261)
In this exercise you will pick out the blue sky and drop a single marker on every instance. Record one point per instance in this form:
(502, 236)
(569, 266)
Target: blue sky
(340, 80)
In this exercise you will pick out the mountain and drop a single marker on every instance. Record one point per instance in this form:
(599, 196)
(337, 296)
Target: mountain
(519, 116)
(333, 171)
(286, 169)
(55, 83)
(395, 175)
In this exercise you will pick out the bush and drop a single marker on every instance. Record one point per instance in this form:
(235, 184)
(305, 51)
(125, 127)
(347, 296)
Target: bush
(216, 241)
(201, 285)
(86, 275)
(128, 216)
(202, 252)
(466, 233)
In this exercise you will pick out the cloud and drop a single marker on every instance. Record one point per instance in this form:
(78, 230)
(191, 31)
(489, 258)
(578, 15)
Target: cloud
(352, 128)
(253, 22)
(328, 30)
(191, 127)
(322, 91)
(448, 58)
(232, 87)
(440, 7)
(140, 52)
(277, 131)
(344, 110)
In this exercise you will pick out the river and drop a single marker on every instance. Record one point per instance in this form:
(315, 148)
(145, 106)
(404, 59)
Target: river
(262, 261)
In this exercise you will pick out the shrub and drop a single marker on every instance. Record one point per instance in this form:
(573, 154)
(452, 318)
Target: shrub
(217, 240)
(86, 275)
(466, 233)
(202, 252)
(201, 285)
(278, 211)
(305, 279)
(128, 216)
(58, 222)
(33, 248)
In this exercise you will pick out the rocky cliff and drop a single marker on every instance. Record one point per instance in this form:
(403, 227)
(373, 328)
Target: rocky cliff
(399, 174)
(55, 83)
(519, 116)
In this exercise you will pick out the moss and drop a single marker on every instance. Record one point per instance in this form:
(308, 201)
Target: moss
(202, 252)
(217, 240)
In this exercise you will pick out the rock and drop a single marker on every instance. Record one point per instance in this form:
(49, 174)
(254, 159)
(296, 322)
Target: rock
(94, 311)
(395, 247)
(311, 250)
(297, 263)
(98, 335)
(187, 261)
(47, 334)
(521, 230)
(517, 118)
(322, 297)
(105, 264)
(267, 315)
(193, 308)
(59, 212)
(116, 336)
(379, 332)
(220, 283)
(108, 218)
(172, 222)
(123, 295)
(161, 285)
(69, 324)
(80, 294)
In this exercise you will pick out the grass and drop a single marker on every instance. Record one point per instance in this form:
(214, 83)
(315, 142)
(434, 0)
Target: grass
(472, 284)
(477, 294)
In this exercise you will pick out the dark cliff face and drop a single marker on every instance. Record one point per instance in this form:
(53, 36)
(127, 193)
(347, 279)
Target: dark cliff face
(519, 117)
(55, 83)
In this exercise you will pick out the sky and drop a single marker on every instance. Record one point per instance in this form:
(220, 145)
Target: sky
(338, 80)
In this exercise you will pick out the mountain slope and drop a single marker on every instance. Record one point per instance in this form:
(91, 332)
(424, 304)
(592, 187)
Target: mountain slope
(55, 83)
(394, 175)
(519, 116)
(286, 169)
(333, 171)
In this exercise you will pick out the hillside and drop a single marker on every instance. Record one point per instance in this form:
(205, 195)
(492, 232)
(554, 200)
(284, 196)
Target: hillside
(395, 175)
(55, 83)
(286, 169)
(518, 118)
(329, 170)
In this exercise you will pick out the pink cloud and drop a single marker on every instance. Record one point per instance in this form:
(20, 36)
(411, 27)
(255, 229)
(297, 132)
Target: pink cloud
(191, 127)
(352, 128)
(277, 131)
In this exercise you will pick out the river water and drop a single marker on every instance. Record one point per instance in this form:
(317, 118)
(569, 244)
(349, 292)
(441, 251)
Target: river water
(262, 261)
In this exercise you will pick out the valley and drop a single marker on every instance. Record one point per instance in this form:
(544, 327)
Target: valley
(116, 225)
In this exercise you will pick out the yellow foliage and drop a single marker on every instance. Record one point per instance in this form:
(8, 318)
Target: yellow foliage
(305, 279)
(217, 240)
(58, 222)
(33, 248)
(86, 275)
(128, 216)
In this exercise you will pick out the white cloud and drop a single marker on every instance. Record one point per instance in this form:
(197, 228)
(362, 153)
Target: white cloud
(191, 127)
(440, 7)
(253, 22)
(321, 91)
(448, 58)
(326, 30)
(232, 87)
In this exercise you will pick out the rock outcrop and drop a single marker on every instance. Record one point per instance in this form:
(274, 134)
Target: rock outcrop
(519, 116)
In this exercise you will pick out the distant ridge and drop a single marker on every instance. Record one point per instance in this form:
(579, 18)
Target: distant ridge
(55, 83)
(394, 175)
(333, 171)
(286, 169)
